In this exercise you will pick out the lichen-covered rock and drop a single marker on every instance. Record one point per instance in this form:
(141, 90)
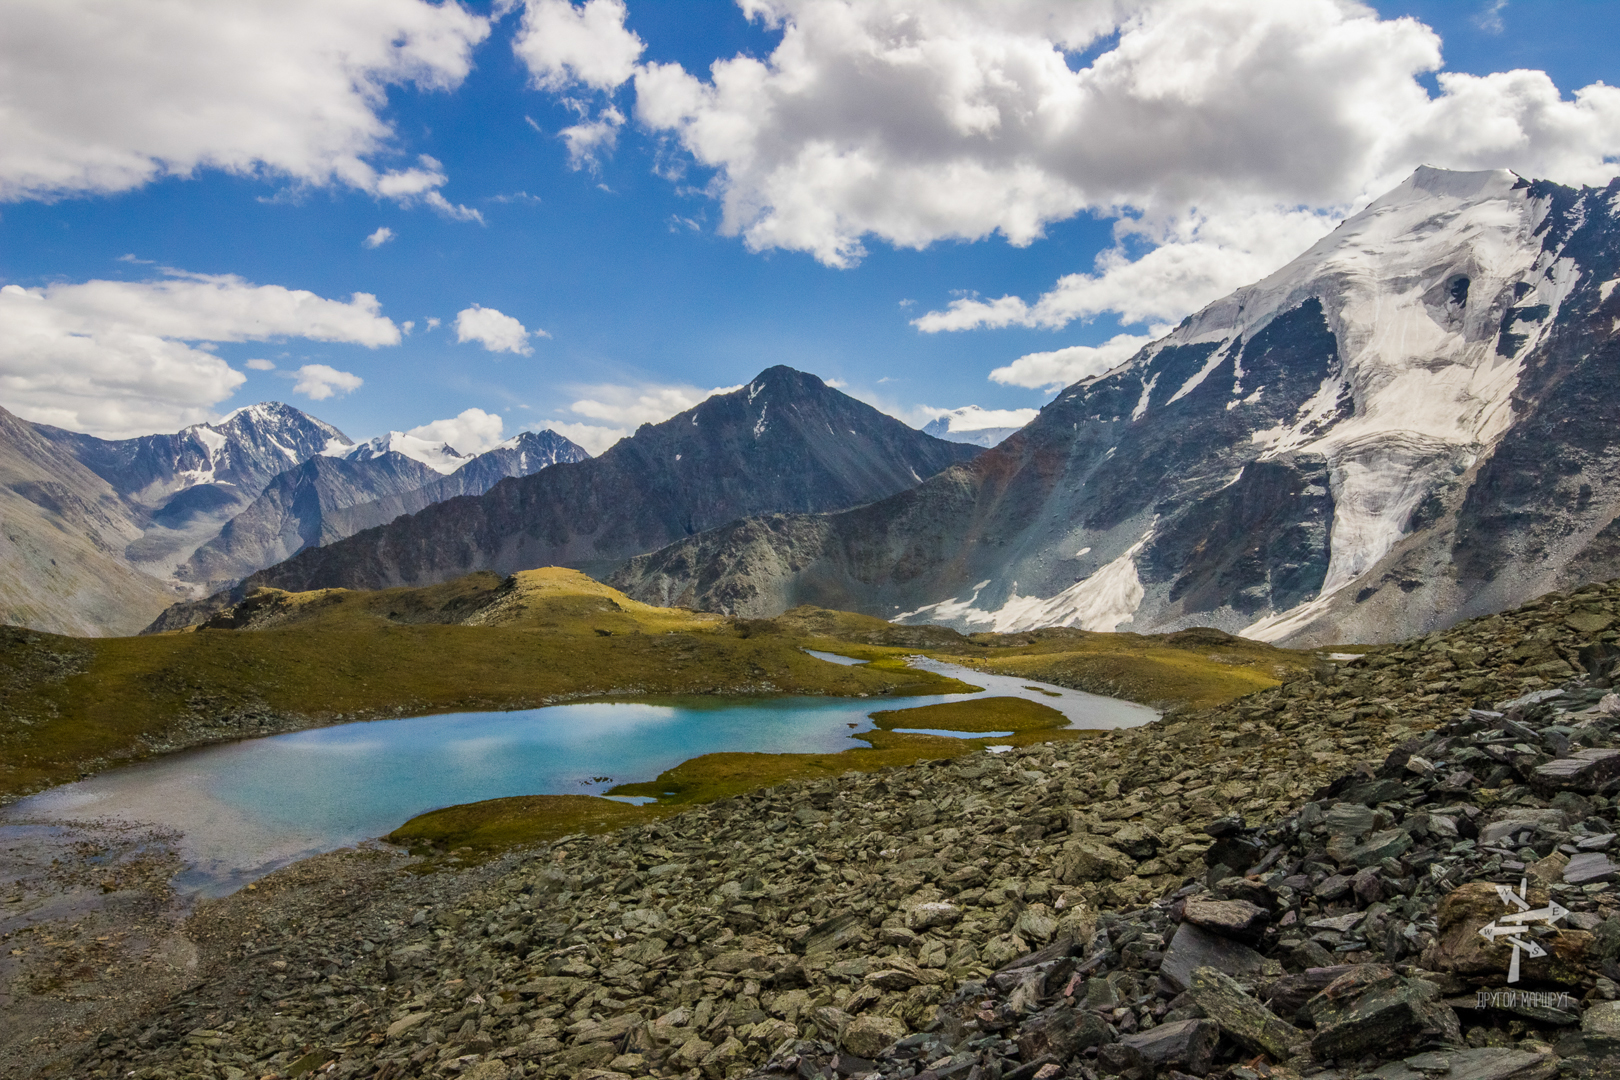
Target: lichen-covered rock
(1088, 859)
(869, 1035)
(1372, 1009)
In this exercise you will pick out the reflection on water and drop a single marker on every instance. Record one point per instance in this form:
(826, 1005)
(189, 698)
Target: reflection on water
(248, 807)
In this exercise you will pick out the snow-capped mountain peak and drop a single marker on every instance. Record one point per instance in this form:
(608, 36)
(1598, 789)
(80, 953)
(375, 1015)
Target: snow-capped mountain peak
(440, 457)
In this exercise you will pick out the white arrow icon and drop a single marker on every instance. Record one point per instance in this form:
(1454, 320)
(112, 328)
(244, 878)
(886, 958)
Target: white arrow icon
(1516, 924)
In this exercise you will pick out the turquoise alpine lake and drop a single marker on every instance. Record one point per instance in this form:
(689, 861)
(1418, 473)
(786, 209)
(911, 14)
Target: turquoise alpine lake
(243, 809)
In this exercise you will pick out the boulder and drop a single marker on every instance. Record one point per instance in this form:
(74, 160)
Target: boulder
(1600, 1025)
(1585, 771)
(1589, 867)
(1349, 819)
(1060, 1032)
(869, 1035)
(835, 932)
(1482, 1063)
(1241, 1017)
(1370, 1009)
(1375, 848)
(1237, 919)
(1088, 859)
(1193, 947)
(930, 914)
(717, 1063)
(1188, 1045)
(1460, 950)
(1287, 995)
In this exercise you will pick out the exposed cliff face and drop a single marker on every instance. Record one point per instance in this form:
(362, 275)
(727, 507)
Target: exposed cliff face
(1412, 422)
(786, 441)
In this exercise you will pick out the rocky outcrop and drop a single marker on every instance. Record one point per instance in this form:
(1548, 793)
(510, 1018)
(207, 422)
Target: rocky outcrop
(1408, 425)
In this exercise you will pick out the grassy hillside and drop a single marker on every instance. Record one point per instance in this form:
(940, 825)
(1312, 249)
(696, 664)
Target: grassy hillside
(281, 661)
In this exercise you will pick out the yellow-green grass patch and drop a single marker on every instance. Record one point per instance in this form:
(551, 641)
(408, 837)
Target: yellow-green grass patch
(498, 824)
(980, 714)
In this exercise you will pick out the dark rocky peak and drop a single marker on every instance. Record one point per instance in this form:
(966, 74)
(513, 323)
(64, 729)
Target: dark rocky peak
(816, 448)
(784, 442)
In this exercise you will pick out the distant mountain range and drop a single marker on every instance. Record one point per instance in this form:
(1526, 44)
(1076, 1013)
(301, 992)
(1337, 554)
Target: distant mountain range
(784, 442)
(1414, 422)
(101, 535)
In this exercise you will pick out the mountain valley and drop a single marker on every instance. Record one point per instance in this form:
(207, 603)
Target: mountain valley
(146, 522)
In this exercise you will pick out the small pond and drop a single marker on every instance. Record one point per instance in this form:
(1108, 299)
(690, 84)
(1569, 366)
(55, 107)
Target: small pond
(246, 808)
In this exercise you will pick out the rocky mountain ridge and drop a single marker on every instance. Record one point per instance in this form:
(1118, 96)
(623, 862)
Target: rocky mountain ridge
(1285, 886)
(329, 497)
(110, 532)
(1409, 424)
(786, 441)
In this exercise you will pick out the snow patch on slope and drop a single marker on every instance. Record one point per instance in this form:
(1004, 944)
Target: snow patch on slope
(441, 457)
(1101, 602)
(1421, 372)
(1198, 377)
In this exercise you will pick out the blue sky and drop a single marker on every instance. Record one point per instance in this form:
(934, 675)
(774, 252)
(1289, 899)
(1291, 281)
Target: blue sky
(878, 264)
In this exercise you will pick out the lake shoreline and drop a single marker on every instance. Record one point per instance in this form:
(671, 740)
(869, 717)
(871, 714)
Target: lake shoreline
(262, 803)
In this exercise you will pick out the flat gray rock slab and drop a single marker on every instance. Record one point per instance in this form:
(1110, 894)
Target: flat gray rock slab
(1194, 947)
(1584, 771)
(1589, 867)
(1184, 1044)
(1485, 1063)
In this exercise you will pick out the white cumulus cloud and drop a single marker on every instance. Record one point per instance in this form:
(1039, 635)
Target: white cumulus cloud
(471, 432)
(260, 364)
(494, 331)
(103, 96)
(378, 238)
(563, 44)
(975, 418)
(591, 140)
(1223, 136)
(1060, 367)
(620, 409)
(320, 381)
(120, 358)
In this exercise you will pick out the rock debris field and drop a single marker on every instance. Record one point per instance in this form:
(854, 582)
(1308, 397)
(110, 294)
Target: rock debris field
(1290, 885)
